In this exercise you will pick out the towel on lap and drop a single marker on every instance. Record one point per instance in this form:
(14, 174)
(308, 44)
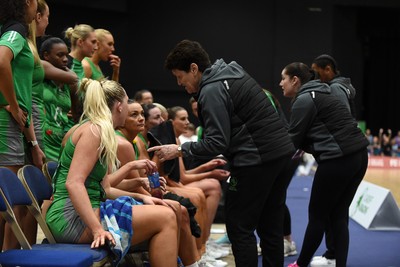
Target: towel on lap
(116, 217)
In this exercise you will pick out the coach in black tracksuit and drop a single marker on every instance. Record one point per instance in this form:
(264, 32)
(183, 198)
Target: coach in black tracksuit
(240, 123)
(322, 125)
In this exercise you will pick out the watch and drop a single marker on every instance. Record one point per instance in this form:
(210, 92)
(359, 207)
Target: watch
(180, 154)
(32, 143)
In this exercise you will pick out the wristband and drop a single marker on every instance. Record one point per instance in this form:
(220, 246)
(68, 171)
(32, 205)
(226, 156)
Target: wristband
(32, 143)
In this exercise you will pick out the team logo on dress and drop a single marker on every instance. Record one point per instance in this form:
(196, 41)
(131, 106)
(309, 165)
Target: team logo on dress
(233, 183)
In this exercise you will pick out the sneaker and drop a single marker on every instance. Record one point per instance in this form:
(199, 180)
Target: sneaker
(208, 261)
(223, 240)
(219, 263)
(212, 246)
(213, 254)
(203, 263)
(317, 258)
(289, 248)
(320, 261)
(294, 264)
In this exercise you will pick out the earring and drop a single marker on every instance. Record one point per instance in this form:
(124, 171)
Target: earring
(120, 109)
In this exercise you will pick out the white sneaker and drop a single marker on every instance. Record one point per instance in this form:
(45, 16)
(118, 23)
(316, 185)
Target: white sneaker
(317, 258)
(203, 263)
(289, 248)
(219, 263)
(214, 247)
(320, 261)
(206, 259)
(213, 253)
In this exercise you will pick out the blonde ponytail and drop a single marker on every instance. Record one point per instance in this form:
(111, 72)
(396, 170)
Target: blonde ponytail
(99, 98)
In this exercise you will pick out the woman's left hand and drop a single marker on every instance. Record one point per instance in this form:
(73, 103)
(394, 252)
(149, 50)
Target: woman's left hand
(101, 238)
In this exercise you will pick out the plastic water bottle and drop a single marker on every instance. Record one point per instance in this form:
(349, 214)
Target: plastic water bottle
(155, 189)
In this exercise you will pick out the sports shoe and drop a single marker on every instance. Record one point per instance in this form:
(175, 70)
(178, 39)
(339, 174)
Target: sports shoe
(214, 253)
(289, 248)
(203, 263)
(223, 240)
(206, 260)
(259, 250)
(212, 246)
(294, 264)
(321, 261)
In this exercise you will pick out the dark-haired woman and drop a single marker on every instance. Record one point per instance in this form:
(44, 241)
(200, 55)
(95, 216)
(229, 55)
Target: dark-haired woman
(328, 72)
(16, 75)
(322, 125)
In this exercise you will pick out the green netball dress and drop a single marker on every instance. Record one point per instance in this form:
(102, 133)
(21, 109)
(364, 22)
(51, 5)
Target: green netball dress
(37, 103)
(61, 216)
(97, 74)
(57, 103)
(22, 65)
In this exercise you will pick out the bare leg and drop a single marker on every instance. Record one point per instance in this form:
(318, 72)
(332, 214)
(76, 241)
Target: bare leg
(30, 226)
(2, 225)
(198, 199)
(157, 223)
(10, 241)
(187, 246)
(213, 192)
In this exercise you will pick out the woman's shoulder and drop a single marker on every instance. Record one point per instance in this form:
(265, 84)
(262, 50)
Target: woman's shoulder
(86, 129)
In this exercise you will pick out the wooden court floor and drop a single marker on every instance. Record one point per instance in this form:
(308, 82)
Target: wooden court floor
(387, 178)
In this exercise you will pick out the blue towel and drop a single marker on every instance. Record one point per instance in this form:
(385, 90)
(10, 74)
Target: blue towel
(116, 217)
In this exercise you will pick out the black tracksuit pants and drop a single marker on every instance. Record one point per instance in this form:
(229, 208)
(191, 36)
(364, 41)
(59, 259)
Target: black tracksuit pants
(334, 186)
(255, 200)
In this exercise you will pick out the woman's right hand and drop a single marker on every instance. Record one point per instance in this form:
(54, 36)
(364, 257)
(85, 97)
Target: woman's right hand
(18, 114)
(146, 164)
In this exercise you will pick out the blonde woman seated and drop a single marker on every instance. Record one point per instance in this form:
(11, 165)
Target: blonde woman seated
(81, 183)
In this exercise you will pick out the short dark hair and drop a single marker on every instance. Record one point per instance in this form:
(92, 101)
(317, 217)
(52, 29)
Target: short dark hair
(185, 53)
(326, 60)
(48, 44)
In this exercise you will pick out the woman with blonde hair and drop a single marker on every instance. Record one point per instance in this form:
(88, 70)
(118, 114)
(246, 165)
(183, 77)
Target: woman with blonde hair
(83, 43)
(78, 213)
(105, 43)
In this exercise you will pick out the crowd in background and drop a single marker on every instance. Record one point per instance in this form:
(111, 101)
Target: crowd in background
(384, 143)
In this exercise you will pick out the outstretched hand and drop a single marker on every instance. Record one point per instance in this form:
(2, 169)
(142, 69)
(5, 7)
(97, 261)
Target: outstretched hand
(220, 174)
(165, 152)
(214, 163)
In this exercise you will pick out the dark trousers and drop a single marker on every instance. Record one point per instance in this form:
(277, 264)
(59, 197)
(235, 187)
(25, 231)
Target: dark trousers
(255, 200)
(289, 173)
(334, 186)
